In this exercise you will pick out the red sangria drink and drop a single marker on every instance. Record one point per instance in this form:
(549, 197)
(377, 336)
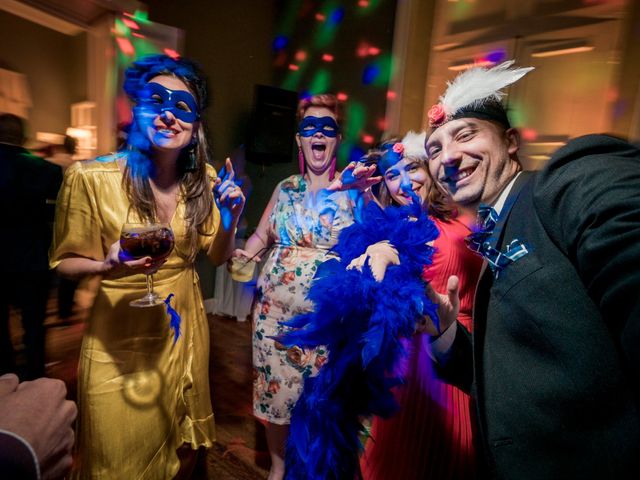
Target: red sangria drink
(155, 241)
(139, 240)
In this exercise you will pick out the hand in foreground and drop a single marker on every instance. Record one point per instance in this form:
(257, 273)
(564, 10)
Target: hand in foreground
(379, 256)
(228, 195)
(355, 176)
(118, 264)
(38, 412)
(448, 308)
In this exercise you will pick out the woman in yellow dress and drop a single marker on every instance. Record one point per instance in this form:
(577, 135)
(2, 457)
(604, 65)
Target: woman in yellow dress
(143, 394)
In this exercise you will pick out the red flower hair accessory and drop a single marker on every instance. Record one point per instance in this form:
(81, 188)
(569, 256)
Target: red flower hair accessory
(436, 115)
(398, 148)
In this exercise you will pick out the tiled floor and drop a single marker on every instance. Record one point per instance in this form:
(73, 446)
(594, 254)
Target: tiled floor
(240, 453)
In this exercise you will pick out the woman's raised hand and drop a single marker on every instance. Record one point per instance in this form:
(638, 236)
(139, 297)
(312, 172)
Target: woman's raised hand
(379, 256)
(355, 176)
(228, 195)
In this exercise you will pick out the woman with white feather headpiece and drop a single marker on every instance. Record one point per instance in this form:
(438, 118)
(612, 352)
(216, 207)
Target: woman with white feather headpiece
(431, 435)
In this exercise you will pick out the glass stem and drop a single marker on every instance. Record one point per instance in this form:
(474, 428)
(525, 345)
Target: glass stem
(149, 285)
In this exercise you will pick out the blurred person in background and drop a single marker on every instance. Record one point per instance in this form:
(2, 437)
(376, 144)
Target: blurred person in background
(63, 154)
(27, 183)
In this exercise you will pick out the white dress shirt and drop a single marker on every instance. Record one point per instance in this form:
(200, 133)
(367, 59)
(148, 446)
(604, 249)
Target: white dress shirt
(441, 346)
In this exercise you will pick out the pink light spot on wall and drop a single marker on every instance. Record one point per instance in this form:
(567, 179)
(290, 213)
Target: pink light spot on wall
(363, 3)
(342, 97)
(172, 53)
(123, 110)
(363, 49)
(281, 59)
(320, 17)
(125, 46)
(137, 35)
(368, 139)
(293, 67)
(301, 56)
(382, 124)
(131, 24)
(529, 134)
(391, 95)
(327, 57)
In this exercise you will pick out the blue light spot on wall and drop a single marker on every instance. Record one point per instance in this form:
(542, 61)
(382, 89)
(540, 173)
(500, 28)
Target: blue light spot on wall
(370, 74)
(356, 153)
(280, 42)
(497, 55)
(336, 16)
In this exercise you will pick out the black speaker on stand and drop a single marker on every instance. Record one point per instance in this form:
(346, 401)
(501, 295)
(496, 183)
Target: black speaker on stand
(273, 125)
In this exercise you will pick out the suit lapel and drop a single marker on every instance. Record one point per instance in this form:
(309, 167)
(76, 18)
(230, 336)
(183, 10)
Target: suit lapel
(482, 288)
(485, 282)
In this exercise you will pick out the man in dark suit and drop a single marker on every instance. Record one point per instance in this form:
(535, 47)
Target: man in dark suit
(554, 358)
(27, 182)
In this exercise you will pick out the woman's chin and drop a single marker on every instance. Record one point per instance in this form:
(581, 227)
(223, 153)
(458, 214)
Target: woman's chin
(401, 201)
(318, 168)
(404, 201)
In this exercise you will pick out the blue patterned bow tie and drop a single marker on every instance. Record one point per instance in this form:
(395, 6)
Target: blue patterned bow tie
(480, 242)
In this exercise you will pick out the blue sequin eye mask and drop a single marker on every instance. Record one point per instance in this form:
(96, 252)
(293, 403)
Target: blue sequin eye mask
(161, 99)
(309, 126)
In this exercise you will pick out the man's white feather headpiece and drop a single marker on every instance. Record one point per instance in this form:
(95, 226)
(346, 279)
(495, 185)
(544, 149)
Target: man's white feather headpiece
(476, 93)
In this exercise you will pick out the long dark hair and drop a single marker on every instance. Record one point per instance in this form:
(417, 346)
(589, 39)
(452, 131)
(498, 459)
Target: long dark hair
(195, 185)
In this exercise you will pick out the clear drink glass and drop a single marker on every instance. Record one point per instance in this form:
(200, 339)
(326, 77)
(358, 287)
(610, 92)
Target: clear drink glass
(242, 269)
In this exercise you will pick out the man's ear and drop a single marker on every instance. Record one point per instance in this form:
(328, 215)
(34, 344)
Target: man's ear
(512, 136)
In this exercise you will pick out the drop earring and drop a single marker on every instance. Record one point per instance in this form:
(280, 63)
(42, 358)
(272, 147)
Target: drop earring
(192, 156)
(301, 165)
(332, 168)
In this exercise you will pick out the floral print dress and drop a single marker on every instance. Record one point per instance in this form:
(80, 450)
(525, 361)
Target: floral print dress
(304, 226)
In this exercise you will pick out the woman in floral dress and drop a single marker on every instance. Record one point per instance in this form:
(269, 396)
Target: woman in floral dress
(298, 227)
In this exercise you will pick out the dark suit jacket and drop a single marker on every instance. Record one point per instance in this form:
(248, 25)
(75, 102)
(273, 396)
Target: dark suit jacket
(27, 183)
(556, 341)
(16, 460)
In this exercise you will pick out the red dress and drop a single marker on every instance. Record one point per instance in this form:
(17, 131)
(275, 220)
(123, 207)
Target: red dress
(431, 436)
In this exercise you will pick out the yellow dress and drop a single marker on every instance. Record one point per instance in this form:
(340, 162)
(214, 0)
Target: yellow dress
(140, 396)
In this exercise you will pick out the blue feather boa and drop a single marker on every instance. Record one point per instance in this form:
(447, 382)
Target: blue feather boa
(361, 321)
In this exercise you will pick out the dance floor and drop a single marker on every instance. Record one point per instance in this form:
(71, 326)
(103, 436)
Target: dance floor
(240, 452)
